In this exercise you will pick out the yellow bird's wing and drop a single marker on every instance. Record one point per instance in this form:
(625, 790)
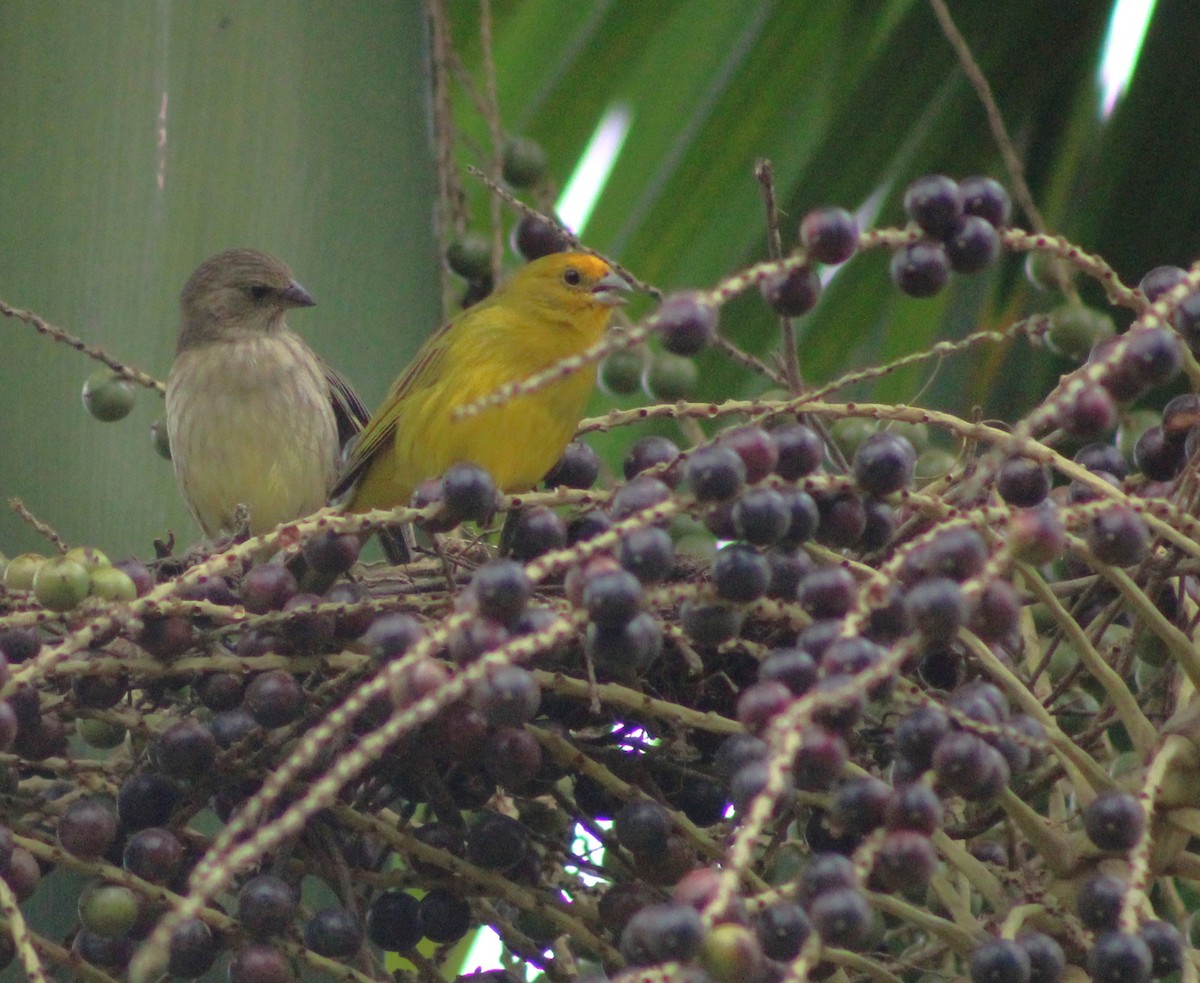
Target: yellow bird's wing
(380, 431)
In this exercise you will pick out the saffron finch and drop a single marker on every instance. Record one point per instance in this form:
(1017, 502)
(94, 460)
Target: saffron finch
(549, 310)
(254, 417)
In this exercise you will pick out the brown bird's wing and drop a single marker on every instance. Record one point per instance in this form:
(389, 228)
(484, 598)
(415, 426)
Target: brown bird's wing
(380, 430)
(348, 409)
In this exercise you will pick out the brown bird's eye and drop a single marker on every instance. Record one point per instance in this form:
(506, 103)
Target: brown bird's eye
(259, 290)
(571, 277)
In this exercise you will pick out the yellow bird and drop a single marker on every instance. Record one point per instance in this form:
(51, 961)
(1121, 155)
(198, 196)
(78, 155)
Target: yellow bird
(549, 310)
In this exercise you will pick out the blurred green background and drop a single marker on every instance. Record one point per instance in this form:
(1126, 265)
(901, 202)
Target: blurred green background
(141, 138)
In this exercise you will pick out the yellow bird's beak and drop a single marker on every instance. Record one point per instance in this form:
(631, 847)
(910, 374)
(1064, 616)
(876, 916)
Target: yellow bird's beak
(611, 290)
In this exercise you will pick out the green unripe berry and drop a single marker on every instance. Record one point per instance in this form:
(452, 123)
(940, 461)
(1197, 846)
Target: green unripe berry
(19, 573)
(103, 735)
(1075, 329)
(108, 396)
(160, 440)
(621, 371)
(849, 432)
(60, 584)
(109, 910)
(470, 256)
(671, 377)
(934, 463)
(524, 162)
(88, 557)
(1047, 272)
(112, 584)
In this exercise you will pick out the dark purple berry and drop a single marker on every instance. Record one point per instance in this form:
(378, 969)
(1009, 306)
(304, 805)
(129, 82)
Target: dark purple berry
(469, 493)
(935, 203)
(860, 805)
(392, 921)
(154, 855)
(1159, 280)
(762, 516)
(332, 553)
(973, 246)
(537, 530)
(534, 238)
(829, 234)
(1114, 821)
(334, 933)
(642, 826)
(1119, 958)
(1165, 943)
(612, 599)
(710, 624)
(642, 492)
(987, 198)
(1152, 356)
(259, 963)
(793, 667)
(1047, 963)
(686, 322)
(648, 553)
(508, 696)
(916, 807)
(828, 592)
(921, 268)
(1156, 456)
(266, 906)
(662, 932)
(966, 765)
(801, 451)
(501, 589)
(86, 829)
(649, 452)
(782, 929)
(146, 799)
(999, 961)
(578, 467)
(804, 518)
(275, 698)
(268, 588)
(715, 473)
(740, 573)
(1118, 537)
(756, 447)
(842, 918)
(192, 949)
(1023, 482)
(884, 464)
(444, 917)
(792, 293)
(1089, 411)
(905, 862)
(634, 645)
(1102, 457)
(1100, 901)
(843, 518)
(936, 607)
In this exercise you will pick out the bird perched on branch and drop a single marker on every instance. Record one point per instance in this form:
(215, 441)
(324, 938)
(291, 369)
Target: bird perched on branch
(549, 310)
(254, 417)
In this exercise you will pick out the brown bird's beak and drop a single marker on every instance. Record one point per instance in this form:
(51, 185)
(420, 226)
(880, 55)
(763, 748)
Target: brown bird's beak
(297, 296)
(611, 290)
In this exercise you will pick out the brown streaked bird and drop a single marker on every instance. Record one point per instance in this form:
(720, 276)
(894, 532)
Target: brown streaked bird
(254, 417)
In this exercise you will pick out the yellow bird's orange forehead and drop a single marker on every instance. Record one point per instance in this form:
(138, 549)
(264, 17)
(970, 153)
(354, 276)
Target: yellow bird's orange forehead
(590, 266)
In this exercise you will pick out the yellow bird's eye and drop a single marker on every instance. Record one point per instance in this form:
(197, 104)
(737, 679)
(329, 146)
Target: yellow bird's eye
(572, 277)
